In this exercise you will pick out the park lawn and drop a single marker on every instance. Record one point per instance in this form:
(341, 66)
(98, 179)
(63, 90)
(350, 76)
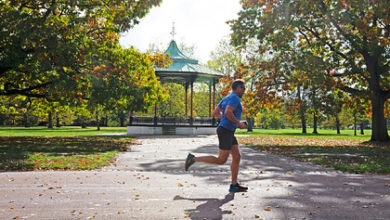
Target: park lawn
(60, 148)
(342, 152)
(66, 131)
(297, 132)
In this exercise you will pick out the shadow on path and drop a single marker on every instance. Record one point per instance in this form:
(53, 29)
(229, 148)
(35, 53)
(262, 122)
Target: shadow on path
(289, 187)
(211, 209)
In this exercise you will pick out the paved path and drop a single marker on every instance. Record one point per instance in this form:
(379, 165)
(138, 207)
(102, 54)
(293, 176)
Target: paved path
(149, 182)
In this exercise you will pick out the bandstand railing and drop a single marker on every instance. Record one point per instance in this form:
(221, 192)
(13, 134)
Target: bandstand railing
(174, 121)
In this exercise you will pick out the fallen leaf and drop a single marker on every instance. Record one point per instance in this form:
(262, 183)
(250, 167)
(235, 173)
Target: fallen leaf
(267, 209)
(119, 212)
(180, 185)
(16, 217)
(12, 207)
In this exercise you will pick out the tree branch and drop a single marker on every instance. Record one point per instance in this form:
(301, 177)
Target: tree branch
(341, 31)
(25, 91)
(49, 10)
(354, 91)
(354, 67)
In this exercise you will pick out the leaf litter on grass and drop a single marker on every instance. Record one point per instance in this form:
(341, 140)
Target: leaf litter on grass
(352, 155)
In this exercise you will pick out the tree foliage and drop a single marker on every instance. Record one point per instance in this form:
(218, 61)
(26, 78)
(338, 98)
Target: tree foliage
(350, 38)
(69, 51)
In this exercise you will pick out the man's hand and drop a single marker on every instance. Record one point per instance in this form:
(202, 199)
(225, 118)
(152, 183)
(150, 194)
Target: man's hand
(242, 125)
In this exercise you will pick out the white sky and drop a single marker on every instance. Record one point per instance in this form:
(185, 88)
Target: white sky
(199, 23)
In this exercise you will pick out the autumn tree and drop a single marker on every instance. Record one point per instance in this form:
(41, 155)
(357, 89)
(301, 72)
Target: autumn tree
(51, 49)
(352, 34)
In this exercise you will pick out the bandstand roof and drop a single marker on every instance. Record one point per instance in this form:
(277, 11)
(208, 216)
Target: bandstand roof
(185, 69)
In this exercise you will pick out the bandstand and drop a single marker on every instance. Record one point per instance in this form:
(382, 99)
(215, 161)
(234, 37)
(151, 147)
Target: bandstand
(186, 71)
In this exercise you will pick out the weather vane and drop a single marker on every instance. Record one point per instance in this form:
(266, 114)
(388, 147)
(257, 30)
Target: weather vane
(173, 31)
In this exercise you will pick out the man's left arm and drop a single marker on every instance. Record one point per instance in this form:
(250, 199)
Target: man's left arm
(230, 115)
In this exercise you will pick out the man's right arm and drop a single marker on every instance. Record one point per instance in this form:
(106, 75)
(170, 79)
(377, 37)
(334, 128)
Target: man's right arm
(217, 112)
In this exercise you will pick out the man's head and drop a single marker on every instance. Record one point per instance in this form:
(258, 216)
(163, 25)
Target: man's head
(238, 87)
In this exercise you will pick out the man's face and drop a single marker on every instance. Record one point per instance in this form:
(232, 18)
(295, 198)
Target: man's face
(240, 90)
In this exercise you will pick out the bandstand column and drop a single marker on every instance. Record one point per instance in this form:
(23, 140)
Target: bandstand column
(214, 94)
(155, 114)
(185, 98)
(210, 99)
(192, 91)
(213, 121)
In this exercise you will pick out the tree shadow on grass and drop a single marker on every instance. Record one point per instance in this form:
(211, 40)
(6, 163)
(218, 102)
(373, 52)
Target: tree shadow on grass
(17, 153)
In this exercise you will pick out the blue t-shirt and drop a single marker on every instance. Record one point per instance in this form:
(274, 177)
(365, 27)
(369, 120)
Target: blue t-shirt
(234, 101)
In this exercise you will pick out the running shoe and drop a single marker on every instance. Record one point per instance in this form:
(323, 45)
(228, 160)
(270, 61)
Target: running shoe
(237, 188)
(189, 161)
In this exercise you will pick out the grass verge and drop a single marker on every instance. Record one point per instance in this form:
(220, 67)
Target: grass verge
(66, 131)
(60, 153)
(344, 154)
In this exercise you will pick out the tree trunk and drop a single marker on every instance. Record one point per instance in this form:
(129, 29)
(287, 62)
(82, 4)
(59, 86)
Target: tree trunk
(361, 128)
(338, 124)
(58, 121)
(250, 124)
(26, 121)
(122, 118)
(106, 121)
(315, 125)
(50, 125)
(355, 124)
(302, 111)
(97, 121)
(379, 127)
(83, 124)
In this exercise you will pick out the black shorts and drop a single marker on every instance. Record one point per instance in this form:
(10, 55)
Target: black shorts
(226, 138)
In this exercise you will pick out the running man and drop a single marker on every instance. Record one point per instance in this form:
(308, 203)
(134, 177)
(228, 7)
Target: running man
(229, 111)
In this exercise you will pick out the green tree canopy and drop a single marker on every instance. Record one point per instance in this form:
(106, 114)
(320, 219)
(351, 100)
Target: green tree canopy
(50, 48)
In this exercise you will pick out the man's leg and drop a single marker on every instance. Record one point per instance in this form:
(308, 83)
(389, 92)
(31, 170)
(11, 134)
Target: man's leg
(223, 155)
(235, 165)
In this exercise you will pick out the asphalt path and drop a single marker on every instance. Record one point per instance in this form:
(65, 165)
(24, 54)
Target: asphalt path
(149, 182)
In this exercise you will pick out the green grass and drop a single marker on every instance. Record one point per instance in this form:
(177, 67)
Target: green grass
(67, 148)
(297, 132)
(343, 152)
(67, 131)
